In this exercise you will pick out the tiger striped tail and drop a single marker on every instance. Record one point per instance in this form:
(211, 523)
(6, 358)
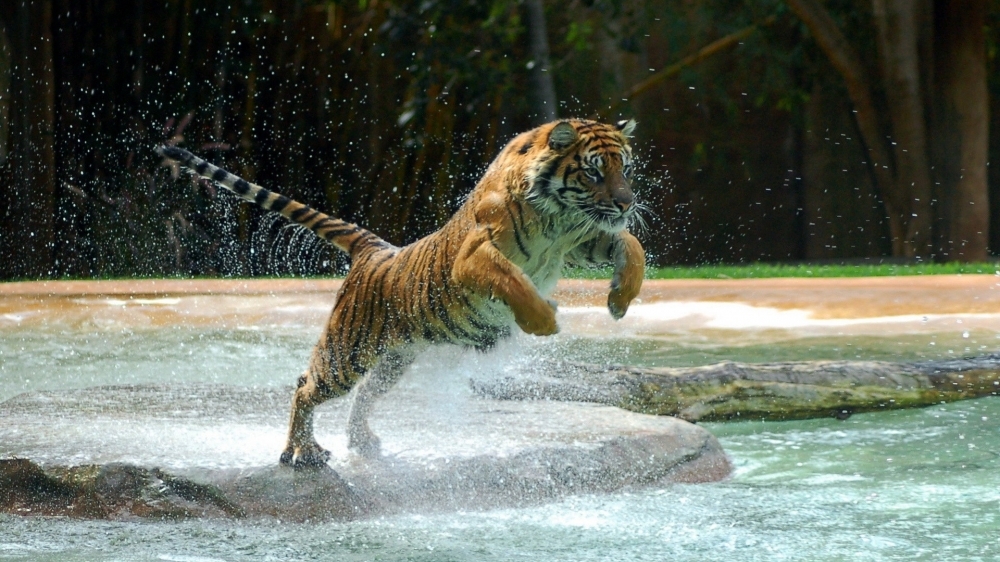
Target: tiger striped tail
(349, 238)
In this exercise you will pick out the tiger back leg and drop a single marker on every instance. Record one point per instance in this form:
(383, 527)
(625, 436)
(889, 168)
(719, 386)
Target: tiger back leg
(321, 381)
(302, 449)
(360, 438)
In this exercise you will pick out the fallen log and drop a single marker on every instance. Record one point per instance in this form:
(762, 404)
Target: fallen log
(764, 391)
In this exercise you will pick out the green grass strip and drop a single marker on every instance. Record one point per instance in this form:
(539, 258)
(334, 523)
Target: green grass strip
(720, 271)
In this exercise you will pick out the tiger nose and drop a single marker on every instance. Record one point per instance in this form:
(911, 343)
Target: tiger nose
(623, 200)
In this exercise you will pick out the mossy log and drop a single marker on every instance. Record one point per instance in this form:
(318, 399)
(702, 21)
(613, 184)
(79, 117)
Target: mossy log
(765, 391)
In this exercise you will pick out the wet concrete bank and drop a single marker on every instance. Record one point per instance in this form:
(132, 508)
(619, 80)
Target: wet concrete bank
(847, 304)
(825, 297)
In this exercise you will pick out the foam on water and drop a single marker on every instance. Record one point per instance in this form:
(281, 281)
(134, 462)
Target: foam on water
(679, 315)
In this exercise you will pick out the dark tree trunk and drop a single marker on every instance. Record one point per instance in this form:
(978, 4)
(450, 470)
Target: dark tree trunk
(5, 68)
(27, 225)
(846, 61)
(939, 114)
(841, 216)
(543, 90)
(961, 125)
(897, 23)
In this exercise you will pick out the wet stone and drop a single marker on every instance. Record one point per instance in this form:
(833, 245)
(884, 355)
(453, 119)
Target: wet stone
(152, 451)
(114, 491)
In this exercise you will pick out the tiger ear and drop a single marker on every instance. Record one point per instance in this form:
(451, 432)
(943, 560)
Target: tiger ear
(626, 127)
(562, 136)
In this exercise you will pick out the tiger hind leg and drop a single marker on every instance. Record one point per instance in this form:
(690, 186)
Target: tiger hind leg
(360, 438)
(302, 450)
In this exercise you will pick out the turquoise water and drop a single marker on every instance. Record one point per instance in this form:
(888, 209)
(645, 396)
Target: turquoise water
(905, 485)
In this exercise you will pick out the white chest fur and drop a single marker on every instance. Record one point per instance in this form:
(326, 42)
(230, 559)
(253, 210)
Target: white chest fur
(547, 248)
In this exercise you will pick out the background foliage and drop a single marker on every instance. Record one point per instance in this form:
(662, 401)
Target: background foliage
(386, 112)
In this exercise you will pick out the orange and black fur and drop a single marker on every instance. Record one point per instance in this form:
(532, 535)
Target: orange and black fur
(558, 194)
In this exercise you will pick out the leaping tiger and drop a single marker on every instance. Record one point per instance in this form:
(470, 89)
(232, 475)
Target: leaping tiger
(557, 194)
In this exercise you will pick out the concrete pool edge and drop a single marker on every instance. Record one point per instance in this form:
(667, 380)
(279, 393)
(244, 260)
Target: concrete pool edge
(825, 297)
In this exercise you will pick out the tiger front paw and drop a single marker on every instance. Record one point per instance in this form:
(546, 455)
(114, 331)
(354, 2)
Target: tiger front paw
(630, 268)
(621, 296)
(537, 319)
(618, 306)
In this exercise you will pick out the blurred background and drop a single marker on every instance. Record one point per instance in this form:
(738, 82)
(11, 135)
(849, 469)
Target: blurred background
(769, 130)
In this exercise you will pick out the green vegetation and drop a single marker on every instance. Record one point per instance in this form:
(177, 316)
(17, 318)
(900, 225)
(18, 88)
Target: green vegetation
(798, 131)
(770, 270)
(717, 271)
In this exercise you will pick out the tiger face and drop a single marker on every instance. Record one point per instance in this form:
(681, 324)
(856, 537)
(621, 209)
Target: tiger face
(585, 172)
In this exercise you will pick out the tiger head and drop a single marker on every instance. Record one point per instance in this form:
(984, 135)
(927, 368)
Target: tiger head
(584, 169)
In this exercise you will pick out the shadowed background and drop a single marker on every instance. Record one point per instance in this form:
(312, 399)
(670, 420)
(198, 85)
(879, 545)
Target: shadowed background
(776, 130)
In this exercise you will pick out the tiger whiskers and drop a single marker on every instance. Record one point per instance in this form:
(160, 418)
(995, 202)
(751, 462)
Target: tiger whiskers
(637, 219)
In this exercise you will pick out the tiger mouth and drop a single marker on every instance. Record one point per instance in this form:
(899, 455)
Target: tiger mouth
(608, 220)
(616, 225)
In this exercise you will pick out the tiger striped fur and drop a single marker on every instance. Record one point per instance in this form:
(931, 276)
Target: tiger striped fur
(557, 194)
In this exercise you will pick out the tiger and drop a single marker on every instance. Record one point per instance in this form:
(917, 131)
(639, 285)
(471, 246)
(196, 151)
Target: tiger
(557, 195)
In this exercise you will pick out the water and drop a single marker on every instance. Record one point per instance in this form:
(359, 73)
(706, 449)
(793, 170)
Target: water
(904, 485)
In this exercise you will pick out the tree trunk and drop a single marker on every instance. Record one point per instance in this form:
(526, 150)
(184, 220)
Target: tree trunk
(846, 61)
(27, 225)
(769, 391)
(961, 125)
(543, 90)
(5, 68)
(897, 24)
(840, 214)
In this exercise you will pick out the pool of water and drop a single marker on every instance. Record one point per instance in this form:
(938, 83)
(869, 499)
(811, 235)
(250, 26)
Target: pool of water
(904, 485)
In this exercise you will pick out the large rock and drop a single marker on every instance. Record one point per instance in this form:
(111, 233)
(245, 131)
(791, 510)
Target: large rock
(111, 491)
(211, 451)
